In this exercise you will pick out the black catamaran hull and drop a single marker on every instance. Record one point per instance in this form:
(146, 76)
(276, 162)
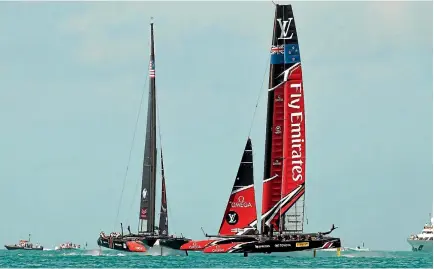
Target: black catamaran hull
(165, 241)
(118, 244)
(13, 247)
(174, 243)
(272, 245)
(149, 241)
(121, 243)
(269, 246)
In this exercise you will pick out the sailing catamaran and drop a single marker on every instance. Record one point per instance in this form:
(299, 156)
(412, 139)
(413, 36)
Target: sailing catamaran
(148, 233)
(285, 156)
(240, 211)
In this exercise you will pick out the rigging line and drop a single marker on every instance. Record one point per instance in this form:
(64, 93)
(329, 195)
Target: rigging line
(161, 172)
(133, 200)
(259, 95)
(129, 156)
(159, 125)
(256, 107)
(138, 180)
(285, 119)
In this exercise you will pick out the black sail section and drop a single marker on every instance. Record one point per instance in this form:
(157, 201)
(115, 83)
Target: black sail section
(164, 217)
(147, 203)
(245, 171)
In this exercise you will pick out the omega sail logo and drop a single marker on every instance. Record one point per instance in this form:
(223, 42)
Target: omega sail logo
(297, 134)
(284, 28)
(240, 203)
(144, 193)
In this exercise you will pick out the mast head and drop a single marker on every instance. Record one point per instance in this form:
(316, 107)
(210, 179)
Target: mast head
(151, 21)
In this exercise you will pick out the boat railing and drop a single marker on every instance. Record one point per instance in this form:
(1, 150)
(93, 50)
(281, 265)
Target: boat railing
(415, 237)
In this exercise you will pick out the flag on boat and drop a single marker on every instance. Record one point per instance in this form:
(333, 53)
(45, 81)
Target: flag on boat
(151, 69)
(277, 49)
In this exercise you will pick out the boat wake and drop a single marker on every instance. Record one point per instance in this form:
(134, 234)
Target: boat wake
(93, 252)
(70, 254)
(158, 250)
(89, 252)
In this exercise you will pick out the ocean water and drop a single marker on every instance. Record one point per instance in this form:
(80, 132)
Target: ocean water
(114, 259)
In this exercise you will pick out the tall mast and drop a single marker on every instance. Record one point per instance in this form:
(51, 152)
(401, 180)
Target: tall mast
(147, 203)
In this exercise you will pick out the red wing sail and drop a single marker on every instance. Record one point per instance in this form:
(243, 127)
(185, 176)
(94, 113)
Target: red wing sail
(240, 211)
(284, 168)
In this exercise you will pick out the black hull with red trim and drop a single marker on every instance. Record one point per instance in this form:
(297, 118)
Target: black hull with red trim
(275, 245)
(165, 241)
(117, 243)
(174, 243)
(120, 243)
(272, 245)
(224, 241)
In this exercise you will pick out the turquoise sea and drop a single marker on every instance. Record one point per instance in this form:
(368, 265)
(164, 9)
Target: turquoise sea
(114, 259)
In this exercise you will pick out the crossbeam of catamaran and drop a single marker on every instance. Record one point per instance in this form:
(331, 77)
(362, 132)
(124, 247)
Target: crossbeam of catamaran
(258, 236)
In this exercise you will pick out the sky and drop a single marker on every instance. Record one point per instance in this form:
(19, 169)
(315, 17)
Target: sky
(71, 79)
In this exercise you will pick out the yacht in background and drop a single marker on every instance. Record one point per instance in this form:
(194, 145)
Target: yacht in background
(24, 245)
(67, 246)
(423, 241)
(358, 248)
